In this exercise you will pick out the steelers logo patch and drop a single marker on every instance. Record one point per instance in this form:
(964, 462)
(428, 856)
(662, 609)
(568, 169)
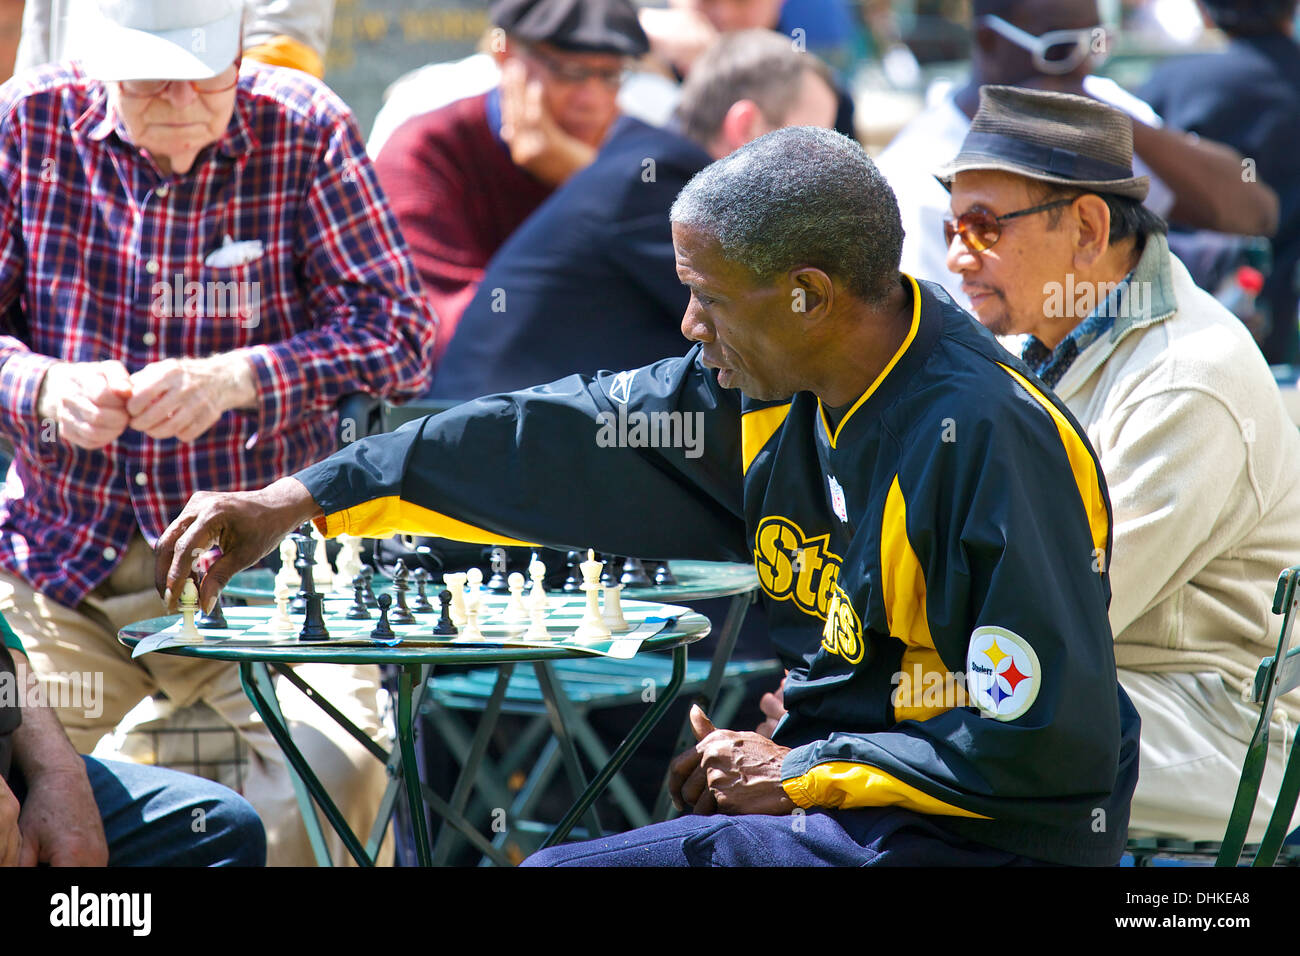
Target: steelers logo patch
(1002, 673)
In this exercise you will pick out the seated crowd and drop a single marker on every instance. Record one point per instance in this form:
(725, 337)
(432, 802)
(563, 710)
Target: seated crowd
(1034, 453)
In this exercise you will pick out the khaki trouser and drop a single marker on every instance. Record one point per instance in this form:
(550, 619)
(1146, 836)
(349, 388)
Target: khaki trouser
(61, 642)
(1194, 738)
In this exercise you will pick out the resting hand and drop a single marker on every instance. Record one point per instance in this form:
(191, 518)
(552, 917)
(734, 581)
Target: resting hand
(728, 772)
(245, 524)
(60, 821)
(773, 707)
(87, 401)
(536, 141)
(183, 398)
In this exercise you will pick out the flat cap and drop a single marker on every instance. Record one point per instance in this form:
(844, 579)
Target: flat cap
(582, 26)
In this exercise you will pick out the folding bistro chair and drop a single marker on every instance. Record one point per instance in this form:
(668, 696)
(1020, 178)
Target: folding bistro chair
(1277, 675)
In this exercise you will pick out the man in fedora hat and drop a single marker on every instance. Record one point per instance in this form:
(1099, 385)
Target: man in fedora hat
(197, 263)
(1049, 236)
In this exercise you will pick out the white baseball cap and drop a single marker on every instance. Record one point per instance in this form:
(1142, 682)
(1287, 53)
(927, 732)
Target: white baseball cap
(156, 39)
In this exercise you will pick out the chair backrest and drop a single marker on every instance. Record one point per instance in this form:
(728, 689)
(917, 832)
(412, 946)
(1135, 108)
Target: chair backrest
(1276, 676)
(395, 416)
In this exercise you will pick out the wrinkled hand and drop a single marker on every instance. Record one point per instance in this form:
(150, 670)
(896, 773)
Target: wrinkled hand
(773, 707)
(11, 837)
(536, 141)
(60, 822)
(183, 398)
(87, 401)
(246, 525)
(728, 772)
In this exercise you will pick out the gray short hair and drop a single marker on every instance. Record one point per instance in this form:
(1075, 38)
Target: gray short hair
(800, 196)
(758, 65)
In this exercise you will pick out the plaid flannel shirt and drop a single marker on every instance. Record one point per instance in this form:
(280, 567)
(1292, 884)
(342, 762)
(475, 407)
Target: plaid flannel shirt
(98, 253)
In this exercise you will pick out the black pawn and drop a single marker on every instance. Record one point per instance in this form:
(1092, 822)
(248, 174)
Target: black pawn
(574, 581)
(401, 584)
(215, 621)
(664, 577)
(634, 575)
(500, 563)
(358, 610)
(608, 575)
(421, 579)
(368, 575)
(313, 626)
(444, 625)
(383, 631)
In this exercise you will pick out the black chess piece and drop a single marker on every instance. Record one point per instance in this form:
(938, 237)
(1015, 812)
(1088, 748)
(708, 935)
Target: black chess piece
(608, 574)
(313, 626)
(444, 625)
(634, 575)
(401, 584)
(664, 577)
(215, 621)
(500, 564)
(368, 575)
(306, 588)
(421, 579)
(358, 611)
(383, 631)
(574, 581)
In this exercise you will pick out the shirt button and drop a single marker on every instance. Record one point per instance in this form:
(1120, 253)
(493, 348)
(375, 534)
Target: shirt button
(110, 553)
(141, 478)
(150, 338)
(163, 191)
(151, 267)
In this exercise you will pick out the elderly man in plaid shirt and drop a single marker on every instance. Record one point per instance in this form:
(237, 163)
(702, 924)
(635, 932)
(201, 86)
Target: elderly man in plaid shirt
(193, 271)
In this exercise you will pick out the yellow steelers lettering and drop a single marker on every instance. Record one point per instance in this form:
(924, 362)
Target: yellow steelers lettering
(842, 634)
(810, 581)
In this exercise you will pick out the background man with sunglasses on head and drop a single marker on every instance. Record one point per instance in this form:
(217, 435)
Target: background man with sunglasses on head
(152, 168)
(1054, 44)
(1202, 462)
(462, 178)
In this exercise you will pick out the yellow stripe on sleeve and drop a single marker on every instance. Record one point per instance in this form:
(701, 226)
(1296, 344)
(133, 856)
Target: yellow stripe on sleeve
(286, 51)
(1081, 463)
(383, 517)
(846, 786)
(756, 428)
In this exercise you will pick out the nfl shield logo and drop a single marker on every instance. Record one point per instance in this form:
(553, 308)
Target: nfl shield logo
(837, 499)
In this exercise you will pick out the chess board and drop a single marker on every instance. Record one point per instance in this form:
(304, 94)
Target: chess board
(251, 627)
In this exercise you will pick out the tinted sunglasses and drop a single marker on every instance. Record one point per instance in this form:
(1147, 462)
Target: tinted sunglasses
(980, 229)
(1057, 51)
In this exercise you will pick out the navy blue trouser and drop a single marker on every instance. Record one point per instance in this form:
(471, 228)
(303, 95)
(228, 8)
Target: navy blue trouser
(158, 817)
(885, 836)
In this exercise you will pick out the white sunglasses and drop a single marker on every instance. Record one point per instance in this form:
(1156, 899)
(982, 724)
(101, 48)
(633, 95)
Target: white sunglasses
(1057, 51)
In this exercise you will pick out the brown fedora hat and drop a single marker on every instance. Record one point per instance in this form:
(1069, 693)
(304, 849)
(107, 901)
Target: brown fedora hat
(1052, 137)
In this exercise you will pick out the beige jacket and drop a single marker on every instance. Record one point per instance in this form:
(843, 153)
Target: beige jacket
(1203, 466)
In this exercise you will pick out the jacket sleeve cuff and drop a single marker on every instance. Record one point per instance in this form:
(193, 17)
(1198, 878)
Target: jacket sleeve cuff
(20, 380)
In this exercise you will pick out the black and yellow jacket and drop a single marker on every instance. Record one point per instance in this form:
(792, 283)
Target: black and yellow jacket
(934, 566)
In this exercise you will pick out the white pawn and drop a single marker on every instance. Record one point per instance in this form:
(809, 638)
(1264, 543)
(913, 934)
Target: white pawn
(537, 571)
(471, 631)
(516, 610)
(473, 589)
(537, 628)
(322, 575)
(189, 606)
(612, 611)
(456, 585)
(282, 621)
(288, 573)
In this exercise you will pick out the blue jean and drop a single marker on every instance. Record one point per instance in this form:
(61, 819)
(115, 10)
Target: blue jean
(158, 817)
(868, 837)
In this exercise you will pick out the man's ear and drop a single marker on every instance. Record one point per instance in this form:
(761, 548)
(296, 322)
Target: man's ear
(743, 123)
(1090, 217)
(812, 294)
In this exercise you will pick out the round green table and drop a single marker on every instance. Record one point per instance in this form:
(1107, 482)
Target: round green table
(414, 664)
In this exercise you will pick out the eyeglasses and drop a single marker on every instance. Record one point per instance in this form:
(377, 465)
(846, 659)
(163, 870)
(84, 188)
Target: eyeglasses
(574, 74)
(980, 229)
(1057, 51)
(206, 87)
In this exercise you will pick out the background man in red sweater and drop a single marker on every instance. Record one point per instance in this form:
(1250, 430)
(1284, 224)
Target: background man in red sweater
(462, 178)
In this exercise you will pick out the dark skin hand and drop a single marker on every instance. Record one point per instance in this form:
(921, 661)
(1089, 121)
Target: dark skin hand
(728, 771)
(245, 525)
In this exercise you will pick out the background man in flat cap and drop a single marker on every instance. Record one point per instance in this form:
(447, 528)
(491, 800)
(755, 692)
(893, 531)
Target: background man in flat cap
(1201, 459)
(197, 263)
(462, 178)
